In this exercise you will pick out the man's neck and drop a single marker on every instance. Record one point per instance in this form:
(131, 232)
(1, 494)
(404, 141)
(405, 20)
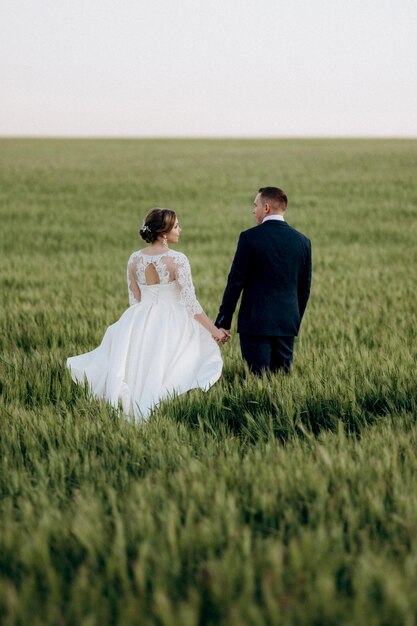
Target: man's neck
(274, 216)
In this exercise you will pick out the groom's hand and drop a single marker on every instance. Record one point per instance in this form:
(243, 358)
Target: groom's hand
(219, 335)
(227, 334)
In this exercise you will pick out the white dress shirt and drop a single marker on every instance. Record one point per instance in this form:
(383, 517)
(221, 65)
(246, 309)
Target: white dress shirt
(273, 217)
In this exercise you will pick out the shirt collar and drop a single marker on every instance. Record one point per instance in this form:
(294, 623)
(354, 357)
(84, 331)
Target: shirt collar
(273, 217)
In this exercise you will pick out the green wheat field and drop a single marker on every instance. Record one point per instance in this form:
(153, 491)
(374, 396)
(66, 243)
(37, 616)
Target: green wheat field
(286, 501)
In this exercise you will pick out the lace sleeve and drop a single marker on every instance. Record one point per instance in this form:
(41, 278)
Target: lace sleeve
(132, 282)
(185, 283)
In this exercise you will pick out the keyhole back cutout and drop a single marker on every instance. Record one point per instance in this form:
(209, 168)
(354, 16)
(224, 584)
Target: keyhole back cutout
(151, 275)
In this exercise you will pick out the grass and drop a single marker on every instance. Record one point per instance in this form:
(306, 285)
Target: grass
(289, 501)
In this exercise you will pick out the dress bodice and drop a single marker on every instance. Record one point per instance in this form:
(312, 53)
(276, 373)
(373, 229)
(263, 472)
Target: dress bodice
(168, 293)
(174, 276)
(162, 263)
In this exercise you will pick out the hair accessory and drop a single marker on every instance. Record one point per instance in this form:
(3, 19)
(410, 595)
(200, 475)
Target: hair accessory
(145, 228)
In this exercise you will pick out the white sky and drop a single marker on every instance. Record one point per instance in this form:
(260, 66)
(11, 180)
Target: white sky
(208, 67)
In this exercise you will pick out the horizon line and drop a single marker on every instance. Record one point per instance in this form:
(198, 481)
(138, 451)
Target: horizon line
(207, 137)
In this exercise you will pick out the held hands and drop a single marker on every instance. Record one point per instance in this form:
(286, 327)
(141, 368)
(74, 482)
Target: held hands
(221, 335)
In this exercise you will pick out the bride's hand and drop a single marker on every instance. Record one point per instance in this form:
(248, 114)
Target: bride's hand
(221, 335)
(227, 335)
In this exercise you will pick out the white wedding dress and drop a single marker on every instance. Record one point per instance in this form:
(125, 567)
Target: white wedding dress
(156, 349)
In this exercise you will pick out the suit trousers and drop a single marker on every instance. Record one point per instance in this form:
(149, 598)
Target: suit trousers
(265, 353)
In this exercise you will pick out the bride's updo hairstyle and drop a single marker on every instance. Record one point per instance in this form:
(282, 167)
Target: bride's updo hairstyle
(157, 222)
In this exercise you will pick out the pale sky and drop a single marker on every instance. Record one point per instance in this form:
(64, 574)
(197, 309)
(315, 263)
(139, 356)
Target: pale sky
(208, 68)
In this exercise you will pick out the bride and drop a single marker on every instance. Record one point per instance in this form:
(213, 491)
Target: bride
(163, 343)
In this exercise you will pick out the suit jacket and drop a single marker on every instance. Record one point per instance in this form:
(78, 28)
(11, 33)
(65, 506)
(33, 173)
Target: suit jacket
(272, 266)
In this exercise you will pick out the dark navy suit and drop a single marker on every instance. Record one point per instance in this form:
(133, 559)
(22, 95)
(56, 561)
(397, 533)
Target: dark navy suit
(272, 267)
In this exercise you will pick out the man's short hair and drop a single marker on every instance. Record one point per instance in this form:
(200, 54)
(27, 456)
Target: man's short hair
(273, 195)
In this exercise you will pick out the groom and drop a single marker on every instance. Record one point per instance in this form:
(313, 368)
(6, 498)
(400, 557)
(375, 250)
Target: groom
(272, 266)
